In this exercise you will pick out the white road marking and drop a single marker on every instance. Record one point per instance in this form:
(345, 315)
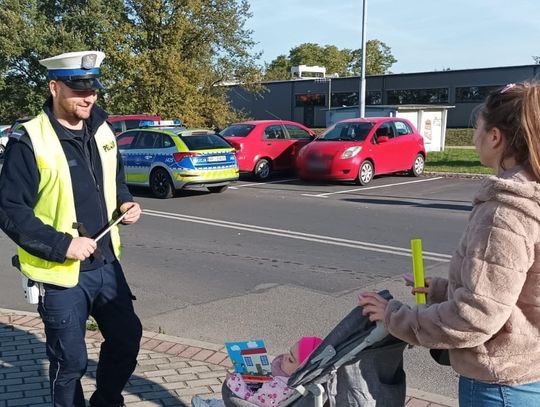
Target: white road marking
(356, 244)
(281, 181)
(325, 195)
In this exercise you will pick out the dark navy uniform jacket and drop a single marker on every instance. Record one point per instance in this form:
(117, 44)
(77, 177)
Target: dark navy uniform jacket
(19, 183)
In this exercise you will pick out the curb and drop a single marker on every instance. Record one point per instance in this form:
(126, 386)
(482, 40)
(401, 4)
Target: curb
(457, 174)
(201, 351)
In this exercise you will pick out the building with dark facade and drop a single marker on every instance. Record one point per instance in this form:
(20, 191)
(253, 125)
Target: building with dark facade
(307, 100)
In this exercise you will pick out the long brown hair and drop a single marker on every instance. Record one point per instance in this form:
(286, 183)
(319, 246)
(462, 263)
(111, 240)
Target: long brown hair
(515, 111)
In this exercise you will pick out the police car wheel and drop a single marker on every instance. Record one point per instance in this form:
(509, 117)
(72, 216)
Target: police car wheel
(161, 184)
(218, 190)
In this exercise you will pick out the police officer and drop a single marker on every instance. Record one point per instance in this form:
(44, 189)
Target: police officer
(63, 170)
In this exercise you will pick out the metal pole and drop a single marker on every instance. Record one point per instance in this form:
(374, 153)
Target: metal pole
(329, 93)
(362, 95)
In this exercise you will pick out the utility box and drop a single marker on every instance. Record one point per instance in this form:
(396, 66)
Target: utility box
(429, 120)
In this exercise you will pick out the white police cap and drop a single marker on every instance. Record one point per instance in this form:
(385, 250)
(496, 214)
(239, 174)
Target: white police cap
(78, 70)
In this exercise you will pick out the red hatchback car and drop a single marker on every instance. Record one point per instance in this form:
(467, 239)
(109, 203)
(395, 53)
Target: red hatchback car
(263, 146)
(358, 149)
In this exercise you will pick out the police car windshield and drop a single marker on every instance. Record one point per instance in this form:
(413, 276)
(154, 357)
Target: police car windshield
(204, 141)
(355, 131)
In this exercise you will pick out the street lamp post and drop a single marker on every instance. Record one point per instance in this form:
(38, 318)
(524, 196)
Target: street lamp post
(362, 95)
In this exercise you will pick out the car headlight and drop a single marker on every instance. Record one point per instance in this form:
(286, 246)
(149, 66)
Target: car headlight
(351, 152)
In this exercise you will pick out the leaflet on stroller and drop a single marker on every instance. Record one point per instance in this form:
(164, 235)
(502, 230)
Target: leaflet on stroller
(357, 365)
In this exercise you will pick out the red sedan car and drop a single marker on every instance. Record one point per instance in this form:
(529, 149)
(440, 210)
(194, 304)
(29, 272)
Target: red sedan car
(358, 149)
(263, 146)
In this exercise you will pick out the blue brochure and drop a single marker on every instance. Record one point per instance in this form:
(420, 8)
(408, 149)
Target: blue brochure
(249, 358)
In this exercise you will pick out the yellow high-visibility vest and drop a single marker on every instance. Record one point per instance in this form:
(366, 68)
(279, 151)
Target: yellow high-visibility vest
(55, 204)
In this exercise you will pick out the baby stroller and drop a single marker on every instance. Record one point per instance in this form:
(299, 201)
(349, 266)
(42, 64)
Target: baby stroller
(357, 365)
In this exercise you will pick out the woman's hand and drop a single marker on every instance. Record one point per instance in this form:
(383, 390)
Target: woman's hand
(409, 281)
(374, 306)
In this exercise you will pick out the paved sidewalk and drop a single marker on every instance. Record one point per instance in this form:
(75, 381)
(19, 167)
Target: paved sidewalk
(170, 370)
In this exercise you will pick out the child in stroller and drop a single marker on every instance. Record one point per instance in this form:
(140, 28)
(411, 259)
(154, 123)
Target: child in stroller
(272, 392)
(358, 364)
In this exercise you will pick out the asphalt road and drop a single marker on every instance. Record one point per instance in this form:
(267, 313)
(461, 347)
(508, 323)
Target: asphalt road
(282, 259)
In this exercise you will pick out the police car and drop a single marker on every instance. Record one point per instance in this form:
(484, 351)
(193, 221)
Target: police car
(171, 158)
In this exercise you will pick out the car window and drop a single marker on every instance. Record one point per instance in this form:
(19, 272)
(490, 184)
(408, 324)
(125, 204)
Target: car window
(164, 141)
(402, 128)
(146, 140)
(204, 141)
(132, 124)
(237, 130)
(125, 140)
(385, 129)
(296, 132)
(347, 132)
(117, 127)
(274, 132)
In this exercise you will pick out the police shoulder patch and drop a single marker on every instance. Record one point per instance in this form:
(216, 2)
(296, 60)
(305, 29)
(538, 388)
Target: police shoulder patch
(17, 134)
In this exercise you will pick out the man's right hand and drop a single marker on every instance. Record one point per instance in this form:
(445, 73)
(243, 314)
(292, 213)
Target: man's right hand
(81, 248)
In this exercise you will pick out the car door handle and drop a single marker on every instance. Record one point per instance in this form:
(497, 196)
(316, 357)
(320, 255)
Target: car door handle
(147, 157)
(268, 144)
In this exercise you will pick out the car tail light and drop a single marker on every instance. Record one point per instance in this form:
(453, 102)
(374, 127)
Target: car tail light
(237, 146)
(180, 156)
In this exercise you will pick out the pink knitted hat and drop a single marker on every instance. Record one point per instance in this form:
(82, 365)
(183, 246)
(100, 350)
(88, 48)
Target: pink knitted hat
(306, 345)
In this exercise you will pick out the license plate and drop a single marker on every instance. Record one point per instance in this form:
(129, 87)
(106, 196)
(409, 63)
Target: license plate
(317, 165)
(216, 158)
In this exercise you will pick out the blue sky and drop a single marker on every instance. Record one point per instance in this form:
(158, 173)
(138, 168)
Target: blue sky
(424, 35)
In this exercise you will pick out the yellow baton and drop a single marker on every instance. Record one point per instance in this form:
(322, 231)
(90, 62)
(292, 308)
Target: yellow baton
(418, 269)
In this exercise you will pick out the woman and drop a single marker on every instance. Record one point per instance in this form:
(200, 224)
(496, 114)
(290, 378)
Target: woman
(487, 313)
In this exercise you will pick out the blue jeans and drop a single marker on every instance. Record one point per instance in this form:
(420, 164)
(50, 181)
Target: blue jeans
(473, 393)
(104, 294)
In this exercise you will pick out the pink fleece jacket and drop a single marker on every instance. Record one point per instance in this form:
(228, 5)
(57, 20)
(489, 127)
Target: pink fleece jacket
(488, 311)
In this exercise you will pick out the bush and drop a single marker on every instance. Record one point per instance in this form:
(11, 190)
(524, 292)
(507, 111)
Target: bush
(459, 137)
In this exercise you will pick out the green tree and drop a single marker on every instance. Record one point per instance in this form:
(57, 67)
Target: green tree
(344, 62)
(27, 35)
(279, 69)
(165, 57)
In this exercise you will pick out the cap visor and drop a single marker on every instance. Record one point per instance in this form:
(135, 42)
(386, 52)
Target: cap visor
(84, 84)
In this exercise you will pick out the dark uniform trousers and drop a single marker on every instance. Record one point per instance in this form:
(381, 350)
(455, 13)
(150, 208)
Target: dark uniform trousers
(104, 294)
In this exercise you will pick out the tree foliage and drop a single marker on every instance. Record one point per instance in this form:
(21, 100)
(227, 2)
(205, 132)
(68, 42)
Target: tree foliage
(162, 56)
(344, 62)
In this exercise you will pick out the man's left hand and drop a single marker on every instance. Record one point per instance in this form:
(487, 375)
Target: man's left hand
(132, 211)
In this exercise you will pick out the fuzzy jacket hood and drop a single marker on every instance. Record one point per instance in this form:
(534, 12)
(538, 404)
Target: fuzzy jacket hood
(514, 188)
(487, 313)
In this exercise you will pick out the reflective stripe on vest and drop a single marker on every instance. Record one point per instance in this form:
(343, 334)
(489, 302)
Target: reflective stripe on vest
(55, 204)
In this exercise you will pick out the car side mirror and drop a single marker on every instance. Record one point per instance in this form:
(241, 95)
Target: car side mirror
(382, 139)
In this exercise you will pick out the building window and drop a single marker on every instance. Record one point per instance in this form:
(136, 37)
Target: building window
(249, 361)
(417, 96)
(310, 99)
(264, 360)
(345, 99)
(374, 97)
(467, 94)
